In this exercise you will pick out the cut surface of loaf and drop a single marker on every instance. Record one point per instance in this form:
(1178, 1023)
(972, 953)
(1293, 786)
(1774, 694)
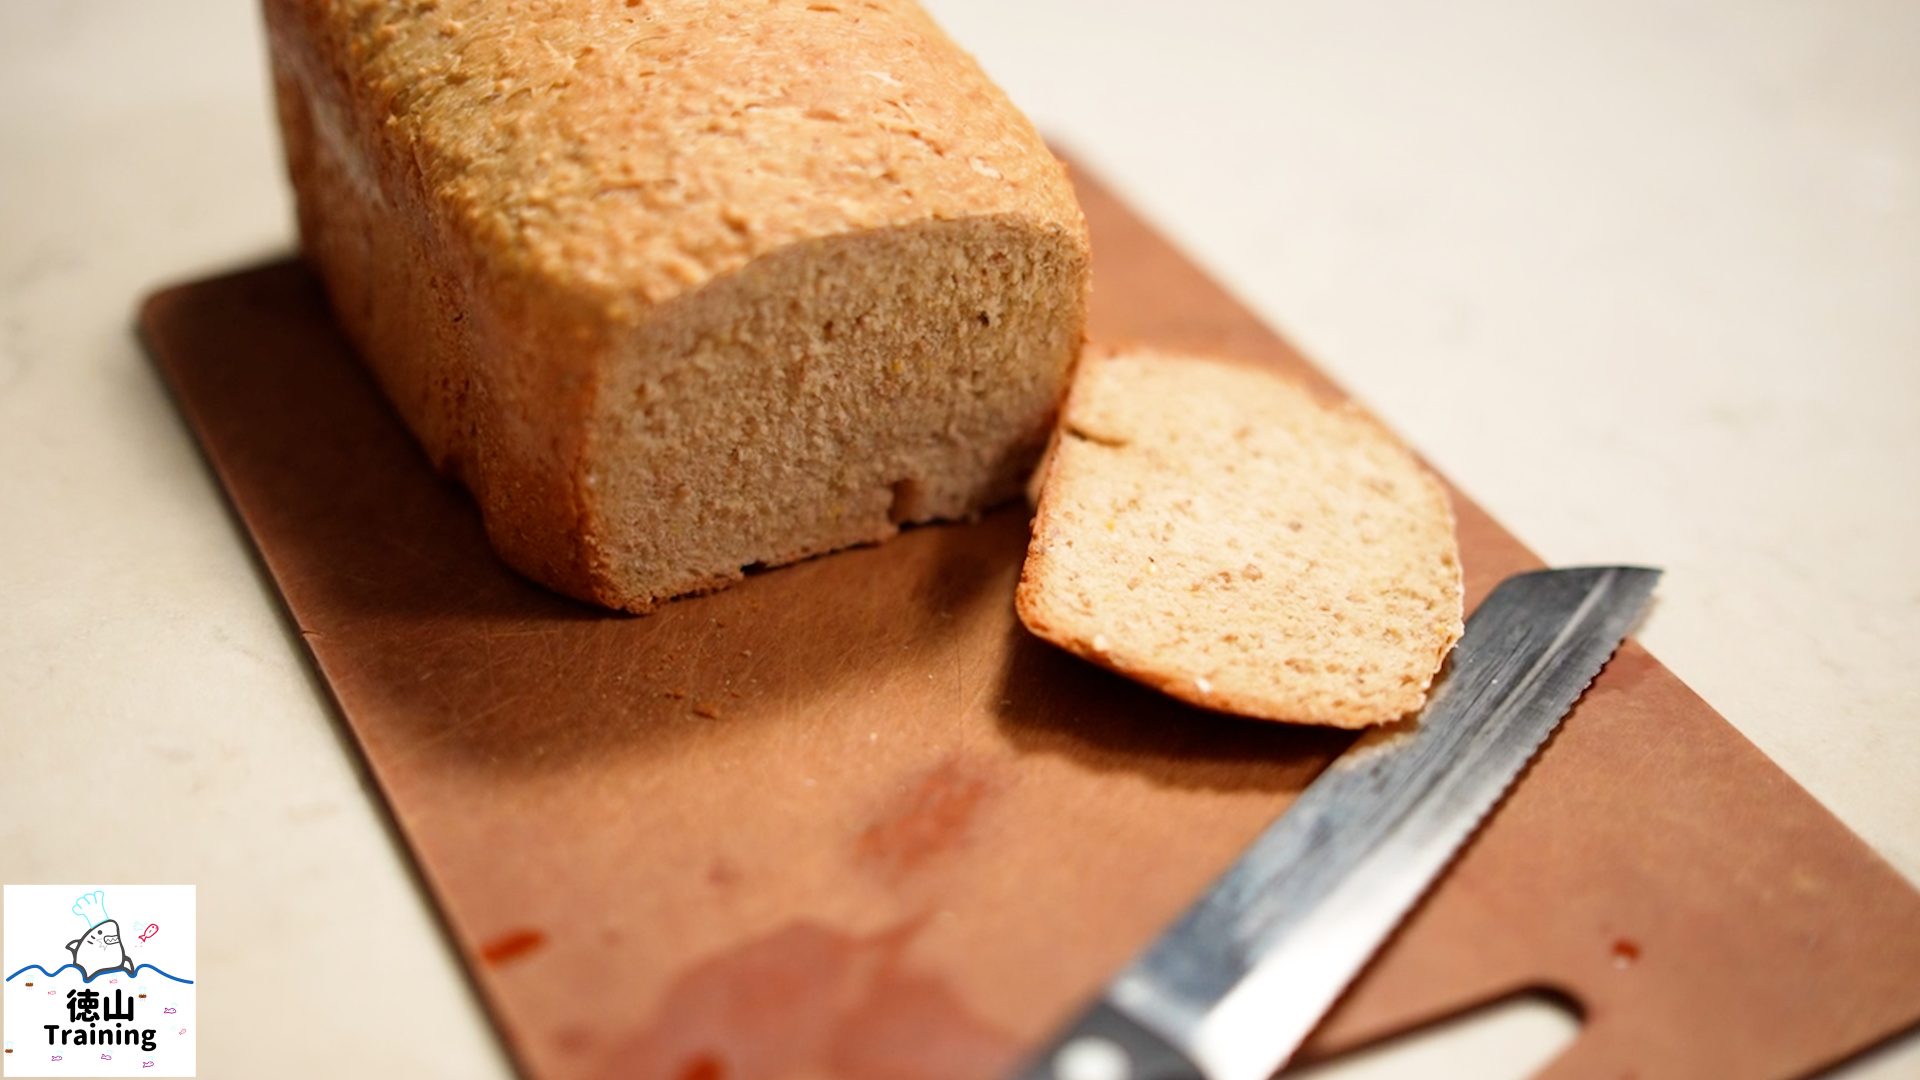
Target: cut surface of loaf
(1209, 528)
(684, 287)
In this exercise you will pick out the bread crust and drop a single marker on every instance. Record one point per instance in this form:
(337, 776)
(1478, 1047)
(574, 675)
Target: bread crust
(502, 196)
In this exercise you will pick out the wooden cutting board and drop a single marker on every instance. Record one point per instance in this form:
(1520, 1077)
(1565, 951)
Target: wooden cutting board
(849, 820)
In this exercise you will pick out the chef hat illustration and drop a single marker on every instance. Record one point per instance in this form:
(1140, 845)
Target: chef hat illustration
(92, 907)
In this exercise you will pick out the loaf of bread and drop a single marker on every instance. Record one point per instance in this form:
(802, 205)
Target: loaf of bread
(1210, 529)
(683, 287)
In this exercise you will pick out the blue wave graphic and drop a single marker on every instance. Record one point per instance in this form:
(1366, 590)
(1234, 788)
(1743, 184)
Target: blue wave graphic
(138, 968)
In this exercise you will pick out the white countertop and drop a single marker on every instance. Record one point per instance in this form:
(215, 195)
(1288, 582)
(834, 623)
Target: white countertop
(1644, 278)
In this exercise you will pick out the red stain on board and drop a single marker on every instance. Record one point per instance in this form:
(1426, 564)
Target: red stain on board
(930, 818)
(810, 1000)
(1626, 953)
(511, 946)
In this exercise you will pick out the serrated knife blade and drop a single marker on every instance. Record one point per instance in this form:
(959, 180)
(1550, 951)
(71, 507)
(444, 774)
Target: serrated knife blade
(1232, 988)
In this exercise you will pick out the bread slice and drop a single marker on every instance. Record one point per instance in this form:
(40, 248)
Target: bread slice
(1210, 529)
(683, 287)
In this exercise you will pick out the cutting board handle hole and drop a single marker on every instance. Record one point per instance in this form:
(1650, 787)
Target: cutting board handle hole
(1509, 1038)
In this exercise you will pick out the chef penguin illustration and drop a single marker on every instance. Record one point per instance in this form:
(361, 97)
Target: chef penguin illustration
(98, 949)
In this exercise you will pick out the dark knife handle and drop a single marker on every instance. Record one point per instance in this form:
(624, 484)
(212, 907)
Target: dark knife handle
(1107, 1044)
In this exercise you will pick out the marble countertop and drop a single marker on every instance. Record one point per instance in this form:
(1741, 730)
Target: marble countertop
(1643, 278)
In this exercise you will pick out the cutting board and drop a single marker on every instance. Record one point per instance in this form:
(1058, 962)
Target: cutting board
(848, 819)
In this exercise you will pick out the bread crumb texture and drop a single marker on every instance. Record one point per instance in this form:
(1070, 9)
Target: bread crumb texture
(1209, 528)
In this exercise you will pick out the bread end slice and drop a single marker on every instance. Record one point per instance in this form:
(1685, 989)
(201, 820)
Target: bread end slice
(1210, 529)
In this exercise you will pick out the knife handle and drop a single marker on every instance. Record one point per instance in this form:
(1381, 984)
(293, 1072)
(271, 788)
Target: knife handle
(1107, 1044)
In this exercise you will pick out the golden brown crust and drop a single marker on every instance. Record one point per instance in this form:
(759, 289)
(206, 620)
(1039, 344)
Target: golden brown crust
(490, 374)
(640, 151)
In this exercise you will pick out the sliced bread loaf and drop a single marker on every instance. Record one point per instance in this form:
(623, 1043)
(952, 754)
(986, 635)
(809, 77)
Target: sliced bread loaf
(683, 287)
(1210, 529)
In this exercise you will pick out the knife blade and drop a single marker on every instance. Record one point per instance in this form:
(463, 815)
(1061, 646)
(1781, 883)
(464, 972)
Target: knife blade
(1232, 988)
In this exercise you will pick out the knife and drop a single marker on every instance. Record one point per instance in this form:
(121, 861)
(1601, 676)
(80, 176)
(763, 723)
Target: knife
(1233, 987)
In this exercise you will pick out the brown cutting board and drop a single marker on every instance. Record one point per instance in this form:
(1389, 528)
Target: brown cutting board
(849, 820)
